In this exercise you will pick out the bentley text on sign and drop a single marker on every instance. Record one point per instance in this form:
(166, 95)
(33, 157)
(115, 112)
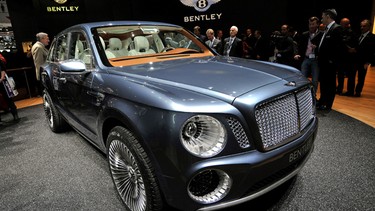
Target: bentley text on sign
(207, 17)
(63, 9)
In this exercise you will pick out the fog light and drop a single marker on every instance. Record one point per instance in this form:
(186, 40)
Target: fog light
(209, 186)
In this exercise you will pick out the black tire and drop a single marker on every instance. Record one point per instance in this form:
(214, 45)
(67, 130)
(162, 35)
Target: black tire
(54, 119)
(131, 172)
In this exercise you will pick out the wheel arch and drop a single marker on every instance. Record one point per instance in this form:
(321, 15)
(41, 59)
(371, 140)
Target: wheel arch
(111, 118)
(115, 118)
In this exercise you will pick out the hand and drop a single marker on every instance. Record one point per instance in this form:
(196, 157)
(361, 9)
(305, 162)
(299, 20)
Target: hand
(351, 50)
(297, 57)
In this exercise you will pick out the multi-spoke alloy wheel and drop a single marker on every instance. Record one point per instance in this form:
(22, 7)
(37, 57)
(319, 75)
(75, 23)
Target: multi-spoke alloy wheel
(131, 172)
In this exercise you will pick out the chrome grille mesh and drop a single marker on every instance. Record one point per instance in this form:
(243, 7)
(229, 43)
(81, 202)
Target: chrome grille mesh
(238, 132)
(305, 102)
(284, 117)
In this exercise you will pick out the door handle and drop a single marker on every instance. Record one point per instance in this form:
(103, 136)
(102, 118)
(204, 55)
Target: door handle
(99, 96)
(63, 80)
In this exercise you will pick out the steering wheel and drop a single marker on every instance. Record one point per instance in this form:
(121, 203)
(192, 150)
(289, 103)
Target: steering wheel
(167, 48)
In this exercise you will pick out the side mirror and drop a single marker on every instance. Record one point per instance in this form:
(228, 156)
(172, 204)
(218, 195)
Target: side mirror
(73, 66)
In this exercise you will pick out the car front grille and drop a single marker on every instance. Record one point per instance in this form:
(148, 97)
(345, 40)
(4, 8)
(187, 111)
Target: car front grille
(238, 132)
(284, 117)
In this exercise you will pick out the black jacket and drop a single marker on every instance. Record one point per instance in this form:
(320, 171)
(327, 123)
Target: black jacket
(366, 50)
(236, 49)
(304, 39)
(332, 47)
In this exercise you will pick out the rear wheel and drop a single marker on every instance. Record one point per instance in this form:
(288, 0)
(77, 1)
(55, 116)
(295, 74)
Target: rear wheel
(132, 172)
(54, 119)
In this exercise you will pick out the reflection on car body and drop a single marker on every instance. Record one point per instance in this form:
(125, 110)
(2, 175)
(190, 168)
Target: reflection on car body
(180, 125)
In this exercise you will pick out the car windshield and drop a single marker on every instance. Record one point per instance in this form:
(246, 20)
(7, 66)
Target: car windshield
(127, 45)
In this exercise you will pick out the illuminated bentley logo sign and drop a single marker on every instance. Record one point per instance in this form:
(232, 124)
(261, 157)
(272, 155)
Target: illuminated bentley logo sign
(199, 5)
(61, 1)
(62, 8)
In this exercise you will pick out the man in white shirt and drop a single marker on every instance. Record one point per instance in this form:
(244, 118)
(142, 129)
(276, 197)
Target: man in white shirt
(232, 44)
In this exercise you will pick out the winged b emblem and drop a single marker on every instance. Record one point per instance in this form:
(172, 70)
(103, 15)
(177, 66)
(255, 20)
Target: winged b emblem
(61, 1)
(199, 5)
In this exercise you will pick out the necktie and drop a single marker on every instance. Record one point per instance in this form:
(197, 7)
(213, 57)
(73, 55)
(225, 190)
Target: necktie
(231, 41)
(321, 41)
(212, 42)
(361, 38)
(230, 45)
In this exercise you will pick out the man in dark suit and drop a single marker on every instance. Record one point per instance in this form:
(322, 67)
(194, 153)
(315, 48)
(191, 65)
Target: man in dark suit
(248, 42)
(330, 51)
(212, 42)
(261, 47)
(348, 64)
(197, 31)
(365, 55)
(285, 47)
(232, 44)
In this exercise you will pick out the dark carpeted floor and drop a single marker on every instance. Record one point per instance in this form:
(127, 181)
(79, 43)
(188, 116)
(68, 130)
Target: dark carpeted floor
(42, 170)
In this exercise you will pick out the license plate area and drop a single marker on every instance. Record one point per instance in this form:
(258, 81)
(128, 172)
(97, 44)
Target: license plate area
(300, 152)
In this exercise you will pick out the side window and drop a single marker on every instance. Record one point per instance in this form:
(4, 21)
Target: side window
(51, 52)
(79, 48)
(58, 49)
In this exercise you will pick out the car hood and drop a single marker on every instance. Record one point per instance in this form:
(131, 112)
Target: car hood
(224, 76)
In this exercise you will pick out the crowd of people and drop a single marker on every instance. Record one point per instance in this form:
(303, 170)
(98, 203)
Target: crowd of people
(327, 53)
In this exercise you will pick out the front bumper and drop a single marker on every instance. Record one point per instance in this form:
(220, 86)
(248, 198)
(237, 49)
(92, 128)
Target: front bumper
(252, 173)
(260, 188)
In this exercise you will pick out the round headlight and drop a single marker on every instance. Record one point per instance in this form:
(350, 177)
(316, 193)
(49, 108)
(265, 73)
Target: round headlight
(203, 136)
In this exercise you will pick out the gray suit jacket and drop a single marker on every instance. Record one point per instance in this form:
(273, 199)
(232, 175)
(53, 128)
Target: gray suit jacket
(39, 52)
(216, 45)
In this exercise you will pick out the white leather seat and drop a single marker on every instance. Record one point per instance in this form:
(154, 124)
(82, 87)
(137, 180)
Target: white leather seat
(102, 42)
(126, 43)
(82, 53)
(107, 53)
(78, 49)
(115, 48)
(141, 46)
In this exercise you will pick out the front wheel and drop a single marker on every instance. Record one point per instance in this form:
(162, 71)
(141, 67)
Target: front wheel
(131, 172)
